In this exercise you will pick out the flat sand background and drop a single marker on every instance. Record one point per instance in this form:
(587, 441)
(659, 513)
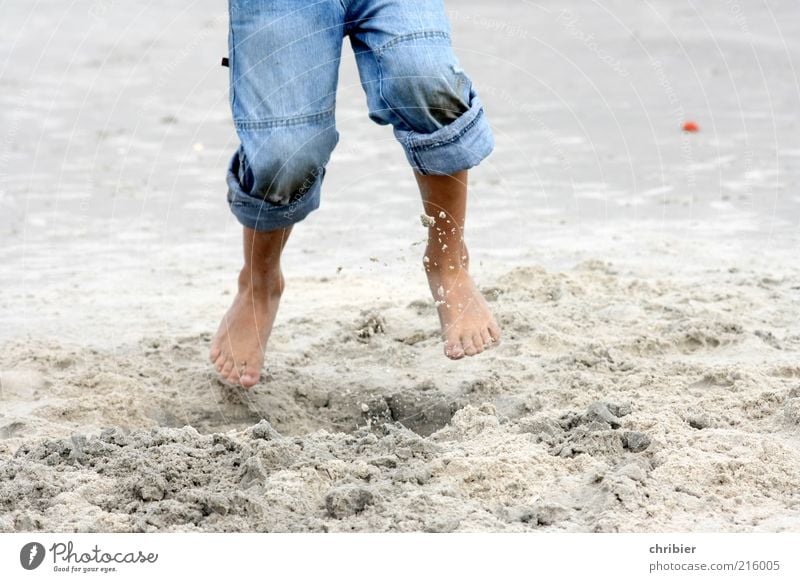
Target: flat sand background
(647, 281)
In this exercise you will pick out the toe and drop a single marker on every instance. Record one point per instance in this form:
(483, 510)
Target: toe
(214, 353)
(250, 378)
(233, 376)
(494, 330)
(453, 350)
(477, 341)
(486, 336)
(220, 362)
(469, 346)
(226, 368)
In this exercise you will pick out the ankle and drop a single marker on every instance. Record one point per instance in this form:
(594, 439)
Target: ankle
(267, 281)
(442, 263)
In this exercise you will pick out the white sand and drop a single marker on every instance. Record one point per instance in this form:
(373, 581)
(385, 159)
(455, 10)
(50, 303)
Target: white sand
(647, 283)
(701, 375)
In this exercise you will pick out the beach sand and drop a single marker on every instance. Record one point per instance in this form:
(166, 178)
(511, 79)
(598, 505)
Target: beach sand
(646, 280)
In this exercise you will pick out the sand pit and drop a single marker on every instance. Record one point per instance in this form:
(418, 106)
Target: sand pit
(614, 403)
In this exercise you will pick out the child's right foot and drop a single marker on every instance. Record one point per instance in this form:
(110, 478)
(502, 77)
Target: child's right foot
(237, 349)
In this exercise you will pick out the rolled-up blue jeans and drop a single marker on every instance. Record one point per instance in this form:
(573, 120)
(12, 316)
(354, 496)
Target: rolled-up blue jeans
(284, 65)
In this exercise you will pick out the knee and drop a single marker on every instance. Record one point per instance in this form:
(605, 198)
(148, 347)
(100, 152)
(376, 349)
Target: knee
(424, 85)
(284, 165)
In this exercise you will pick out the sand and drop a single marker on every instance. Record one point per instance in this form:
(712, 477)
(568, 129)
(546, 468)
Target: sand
(646, 280)
(615, 403)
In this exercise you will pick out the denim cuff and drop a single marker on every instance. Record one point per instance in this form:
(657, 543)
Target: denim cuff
(263, 215)
(461, 145)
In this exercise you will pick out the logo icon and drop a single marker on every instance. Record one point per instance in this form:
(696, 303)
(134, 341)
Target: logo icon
(31, 555)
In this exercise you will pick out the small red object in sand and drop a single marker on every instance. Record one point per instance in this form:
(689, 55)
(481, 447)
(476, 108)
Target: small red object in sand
(691, 126)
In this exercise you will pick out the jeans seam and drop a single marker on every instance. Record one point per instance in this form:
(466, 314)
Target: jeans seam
(410, 36)
(417, 161)
(283, 122)
(231, 60)
(443, 142)
(264, 204)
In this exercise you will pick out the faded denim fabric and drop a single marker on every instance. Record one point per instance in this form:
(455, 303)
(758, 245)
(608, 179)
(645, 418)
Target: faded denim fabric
(284, 65)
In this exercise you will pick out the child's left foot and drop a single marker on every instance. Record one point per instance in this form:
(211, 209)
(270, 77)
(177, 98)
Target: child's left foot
(468, 326)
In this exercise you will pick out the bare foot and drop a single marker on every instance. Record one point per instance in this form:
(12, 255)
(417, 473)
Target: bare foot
(237, 349)
(468, 326)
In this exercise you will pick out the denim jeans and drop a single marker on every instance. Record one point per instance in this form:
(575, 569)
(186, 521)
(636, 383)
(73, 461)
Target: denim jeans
(284, 64)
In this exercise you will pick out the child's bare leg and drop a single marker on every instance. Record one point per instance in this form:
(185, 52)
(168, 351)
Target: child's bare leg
(468, 326)
(237, 349)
